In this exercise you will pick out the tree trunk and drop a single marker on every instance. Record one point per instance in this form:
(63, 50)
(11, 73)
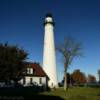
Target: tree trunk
(65, 81)
(65, 76)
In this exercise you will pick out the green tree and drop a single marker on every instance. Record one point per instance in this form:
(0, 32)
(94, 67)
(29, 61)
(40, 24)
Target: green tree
(12, 62)
(69, 79)
(69, 50)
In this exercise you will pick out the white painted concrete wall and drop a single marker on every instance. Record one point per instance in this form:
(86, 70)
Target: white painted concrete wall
(35, 80)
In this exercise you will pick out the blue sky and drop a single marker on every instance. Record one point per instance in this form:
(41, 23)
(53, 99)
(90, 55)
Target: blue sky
(21, 23)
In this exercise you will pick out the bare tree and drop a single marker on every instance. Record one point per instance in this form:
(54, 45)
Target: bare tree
(69, 50)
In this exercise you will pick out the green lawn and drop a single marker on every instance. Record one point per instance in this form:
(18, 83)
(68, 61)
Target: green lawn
(76, 93)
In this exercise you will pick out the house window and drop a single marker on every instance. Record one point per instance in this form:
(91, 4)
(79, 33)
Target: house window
(24, 80)
(31, 80)
(40, 80)
(29, 70)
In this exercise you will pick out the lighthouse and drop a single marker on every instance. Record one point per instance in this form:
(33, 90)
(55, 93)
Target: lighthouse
(49, 56)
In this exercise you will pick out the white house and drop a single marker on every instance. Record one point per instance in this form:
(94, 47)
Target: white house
(34, 74)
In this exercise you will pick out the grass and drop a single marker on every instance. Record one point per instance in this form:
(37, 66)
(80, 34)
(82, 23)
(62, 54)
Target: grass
(75, 93)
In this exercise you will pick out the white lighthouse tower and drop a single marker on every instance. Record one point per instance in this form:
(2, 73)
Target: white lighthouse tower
(49, 58)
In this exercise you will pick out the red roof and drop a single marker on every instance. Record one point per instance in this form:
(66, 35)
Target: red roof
(38, 70)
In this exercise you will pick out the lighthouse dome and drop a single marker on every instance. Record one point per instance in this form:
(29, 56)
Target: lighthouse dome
(49, 19)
